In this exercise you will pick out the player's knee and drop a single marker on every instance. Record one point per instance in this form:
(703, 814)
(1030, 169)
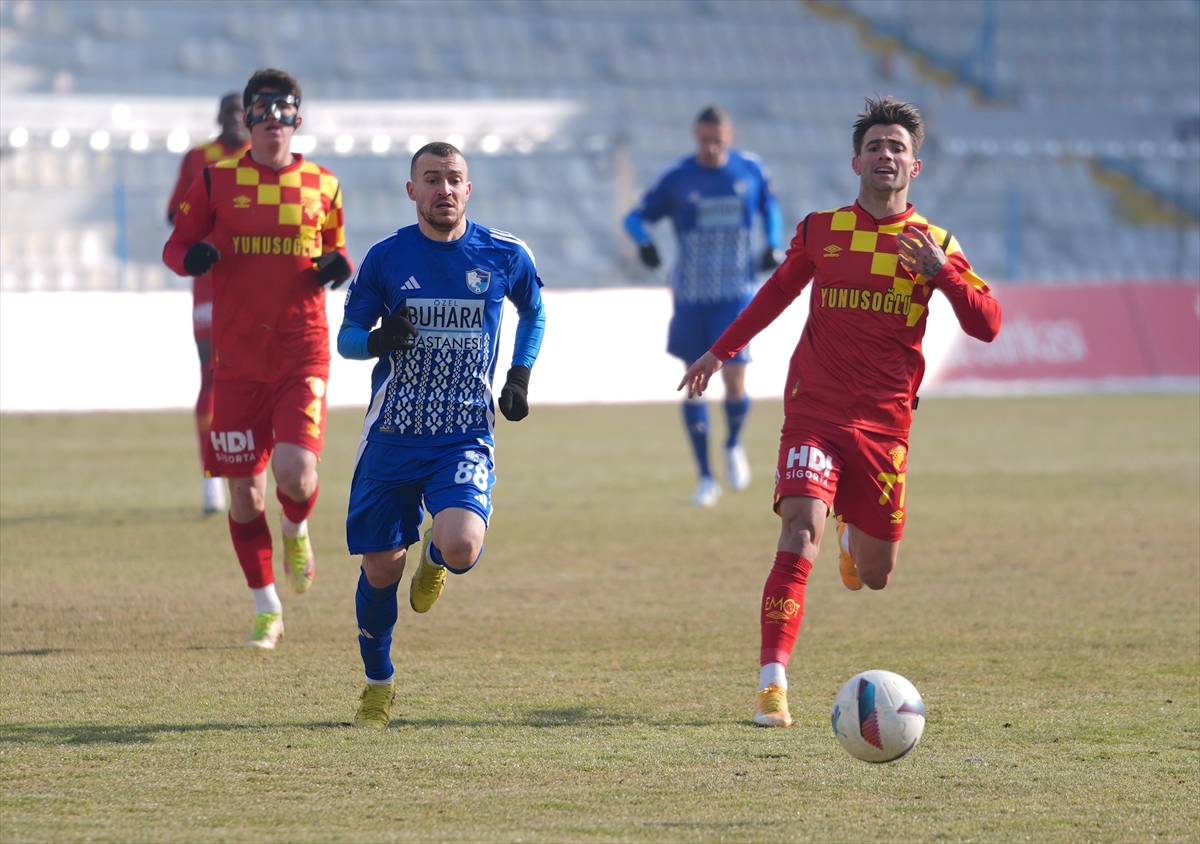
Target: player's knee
(384, 568)
(460, 553)
(297, 483)
(801, 538)
(875, 574)
(245, 499)
(874, 580)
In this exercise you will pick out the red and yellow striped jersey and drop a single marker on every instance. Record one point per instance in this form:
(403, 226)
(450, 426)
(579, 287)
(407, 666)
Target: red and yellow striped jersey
(859, 359)
(196, 160)
(268, 308)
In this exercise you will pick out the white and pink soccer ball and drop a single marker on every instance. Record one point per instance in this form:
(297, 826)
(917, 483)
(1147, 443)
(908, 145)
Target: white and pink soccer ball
(878, 716)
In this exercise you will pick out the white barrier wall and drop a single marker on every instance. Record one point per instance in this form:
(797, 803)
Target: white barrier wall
(134, 351)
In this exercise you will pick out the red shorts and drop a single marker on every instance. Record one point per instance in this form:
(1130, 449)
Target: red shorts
(249, 417)
(858, 474)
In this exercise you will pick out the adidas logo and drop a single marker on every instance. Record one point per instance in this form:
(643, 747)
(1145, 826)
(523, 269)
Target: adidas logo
(411, 284)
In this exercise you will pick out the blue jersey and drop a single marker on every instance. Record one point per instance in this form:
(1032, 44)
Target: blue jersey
(713, 210)
(442, 389)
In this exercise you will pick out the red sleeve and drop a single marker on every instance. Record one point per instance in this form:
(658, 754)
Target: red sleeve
(193, 224)
(977, 310)
(189, 168)
(772, 299)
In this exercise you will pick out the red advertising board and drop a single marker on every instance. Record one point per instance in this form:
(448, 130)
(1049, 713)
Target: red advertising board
(1128, 335)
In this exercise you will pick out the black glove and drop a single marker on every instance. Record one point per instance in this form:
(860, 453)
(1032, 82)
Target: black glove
(771, 258)
(333, 266)
(649, 255)
(200, 258)
(514, 398)
(395, 334)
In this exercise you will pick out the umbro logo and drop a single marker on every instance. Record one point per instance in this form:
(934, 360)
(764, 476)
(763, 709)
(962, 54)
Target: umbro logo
(241, 202)
(832, 251)
(411, 284)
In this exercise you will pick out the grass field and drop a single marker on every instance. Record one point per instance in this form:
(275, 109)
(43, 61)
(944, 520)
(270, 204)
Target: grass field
(593, 679)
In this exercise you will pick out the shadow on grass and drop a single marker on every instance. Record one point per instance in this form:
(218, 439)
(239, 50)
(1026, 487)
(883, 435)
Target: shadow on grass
(34, 652)
(131, 734)
(146, 515)
(706, 824)
(570, 716)
(576, 716)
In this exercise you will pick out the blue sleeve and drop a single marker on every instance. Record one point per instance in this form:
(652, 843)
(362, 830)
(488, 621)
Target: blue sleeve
(637, 229)
(774, 221)
(352, 342)
(655, 204)
(526, 294)
(364, 307)
(531, 326)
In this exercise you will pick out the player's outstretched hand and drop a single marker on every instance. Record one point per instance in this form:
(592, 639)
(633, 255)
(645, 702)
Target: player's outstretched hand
(920, 253)
(771, 258)
(332, 266)
(699, 373)
(395, 334)
(200, 258)
(514, 398)
(649, 254)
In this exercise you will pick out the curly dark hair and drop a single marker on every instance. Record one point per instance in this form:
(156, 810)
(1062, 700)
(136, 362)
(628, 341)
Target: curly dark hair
(888, 112)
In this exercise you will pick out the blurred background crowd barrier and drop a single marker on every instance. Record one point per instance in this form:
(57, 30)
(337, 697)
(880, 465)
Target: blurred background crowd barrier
(1063, 138)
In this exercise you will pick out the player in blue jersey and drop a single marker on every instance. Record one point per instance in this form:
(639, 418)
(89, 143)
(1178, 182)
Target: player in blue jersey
(437, 290)
(712, 199)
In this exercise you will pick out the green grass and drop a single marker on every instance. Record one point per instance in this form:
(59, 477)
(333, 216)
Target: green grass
(594, 677)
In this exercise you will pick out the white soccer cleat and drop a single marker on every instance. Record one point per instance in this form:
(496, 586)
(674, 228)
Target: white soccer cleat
(214, 495)
(737, 468)
(707, 492)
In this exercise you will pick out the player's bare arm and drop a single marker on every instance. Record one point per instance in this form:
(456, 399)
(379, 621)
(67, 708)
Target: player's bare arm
(699, 374)
(920, 253)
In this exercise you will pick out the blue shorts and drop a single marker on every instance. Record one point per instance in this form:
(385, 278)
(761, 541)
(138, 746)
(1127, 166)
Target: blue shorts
(393, 484)
(695, 327)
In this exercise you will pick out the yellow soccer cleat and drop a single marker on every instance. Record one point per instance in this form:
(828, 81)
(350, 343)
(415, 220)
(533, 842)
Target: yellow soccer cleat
(299, 562)
(375, 707)
(427, 583)
(268, 629)
(773, 708)
(847, 568)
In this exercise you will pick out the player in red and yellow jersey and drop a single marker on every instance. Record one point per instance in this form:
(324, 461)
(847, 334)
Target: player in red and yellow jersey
(269, 226)
(853, 379)
(233, 142)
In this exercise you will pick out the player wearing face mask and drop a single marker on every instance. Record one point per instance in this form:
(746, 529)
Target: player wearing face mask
(269, 228)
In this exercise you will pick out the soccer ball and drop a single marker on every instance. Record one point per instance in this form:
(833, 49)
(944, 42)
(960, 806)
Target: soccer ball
(878, 716)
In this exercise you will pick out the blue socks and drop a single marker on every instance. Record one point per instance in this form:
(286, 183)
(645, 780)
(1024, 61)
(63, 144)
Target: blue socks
(377, 610)
(695, 419)
(735, 416)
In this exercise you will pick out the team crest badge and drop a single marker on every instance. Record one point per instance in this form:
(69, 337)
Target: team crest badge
(478, 280)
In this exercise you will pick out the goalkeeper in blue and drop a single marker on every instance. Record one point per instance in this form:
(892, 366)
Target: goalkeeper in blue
(436, 290)
(712, 199)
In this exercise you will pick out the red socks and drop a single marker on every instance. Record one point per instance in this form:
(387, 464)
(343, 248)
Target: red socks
(252, 542)
(297, 511)
(783, 607)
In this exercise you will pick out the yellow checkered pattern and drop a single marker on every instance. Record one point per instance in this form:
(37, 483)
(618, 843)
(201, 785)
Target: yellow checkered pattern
(293, 193)
(885, 261)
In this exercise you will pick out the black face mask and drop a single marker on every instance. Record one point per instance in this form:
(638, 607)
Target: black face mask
(272, 102)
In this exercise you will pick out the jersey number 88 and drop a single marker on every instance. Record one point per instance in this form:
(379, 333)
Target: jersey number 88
(472, 470)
